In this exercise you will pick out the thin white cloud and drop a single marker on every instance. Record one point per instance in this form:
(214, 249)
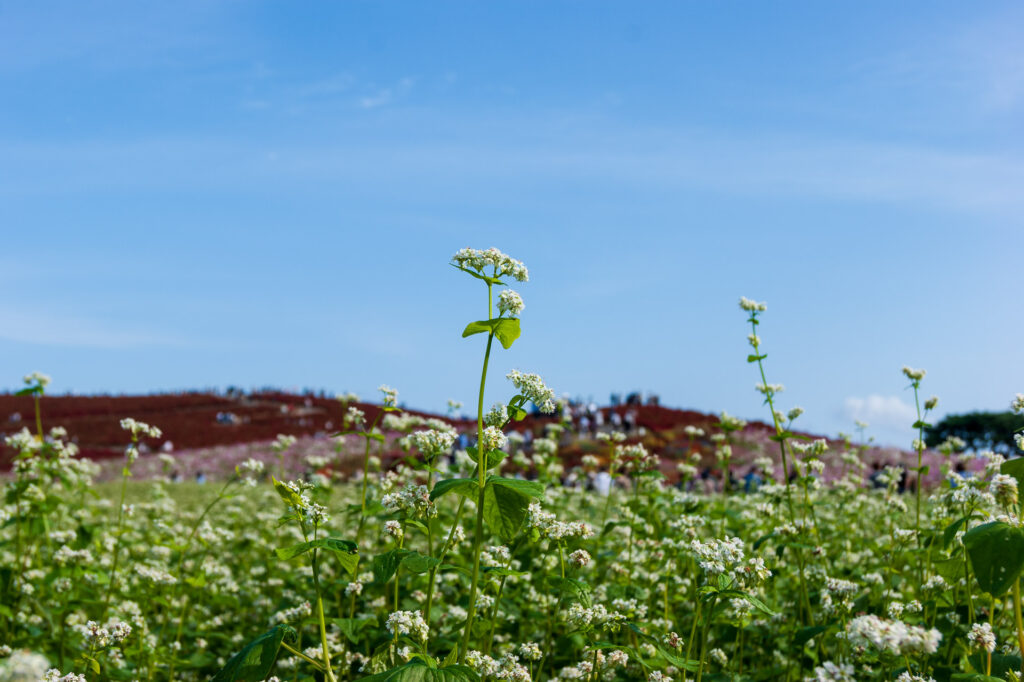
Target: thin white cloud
(791, 166)
(386, 95)
(887, 413)
(58, 330)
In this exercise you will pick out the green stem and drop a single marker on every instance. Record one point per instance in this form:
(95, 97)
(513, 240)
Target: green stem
(482, 469)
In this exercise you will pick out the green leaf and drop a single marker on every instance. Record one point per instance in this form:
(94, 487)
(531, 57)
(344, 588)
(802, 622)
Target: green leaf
(384, 565)
(1001, 664)
(345, 550)
(758, 604)
(415, 562)
(254, 661)
(572, 588)
(353, 628)
(417, 670)
(505, 328)
(290, 497)
(804, 635)
(504, 509)
(467, 487)
(997, 555)
(755, 358)
(951, 530)
(1014, 467)
(529, 488)
(494, 457)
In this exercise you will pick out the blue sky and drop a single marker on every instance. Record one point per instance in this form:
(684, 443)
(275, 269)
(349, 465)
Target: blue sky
(202, 194)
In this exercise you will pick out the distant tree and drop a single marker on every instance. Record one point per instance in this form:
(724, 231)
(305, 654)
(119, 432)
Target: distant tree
(980, 430)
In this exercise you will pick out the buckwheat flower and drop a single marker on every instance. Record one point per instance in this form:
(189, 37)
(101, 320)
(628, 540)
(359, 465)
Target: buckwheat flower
(433, 443)
(38, 378)
(137, 428)
(833, 672)
(579, 558)
(693, 431)
(1004, 489)
(497, 416)
(533, 388)
(500, 264)
(794, 413)
(658, 676)
(493, 439)
(731, 423)
(913, 374)
(1017, 404)
(907, 676)
(510, 303)
(1018, 438)
(389, 395)
(769, 389)
(409, 623)
(53, 675)
(752, 306)
(394, 529)
(931, 402)
(982, 637)
(893, 636)
(719, 657)
(354, 418)
(530, 651)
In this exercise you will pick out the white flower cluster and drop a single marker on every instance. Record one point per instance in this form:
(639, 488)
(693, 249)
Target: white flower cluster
(510, 303)
(497, 415)
(137, 428)
(394, 529)
(1004, 489)
(354, 418)
(579, 558)
(549, 527)
(1017, 404)
(283, 442)
(100, 637)
(534, 389)
(53, 675)
(37, 379)
(507, 667)
(597, 615)
(413, 499)
(493, 439)
(155, 574)
(982, 637)
(409, 623)
(303, 610)
(893, 636)
(833, 672)
(502, 264)
(310, 511)
(637, 458)
(769, 389)
(389, 395)
(530, 651)
(913, 374)
(752, 306)
(584, 670)
(433, 443)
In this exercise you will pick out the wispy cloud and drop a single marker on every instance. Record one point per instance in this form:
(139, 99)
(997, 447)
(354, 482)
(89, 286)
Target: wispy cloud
(884, 413)
(58, 330)
(666, 161)
(386, 95)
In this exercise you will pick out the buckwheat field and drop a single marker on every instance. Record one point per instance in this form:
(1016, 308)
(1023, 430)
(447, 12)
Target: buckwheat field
(479, 562)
